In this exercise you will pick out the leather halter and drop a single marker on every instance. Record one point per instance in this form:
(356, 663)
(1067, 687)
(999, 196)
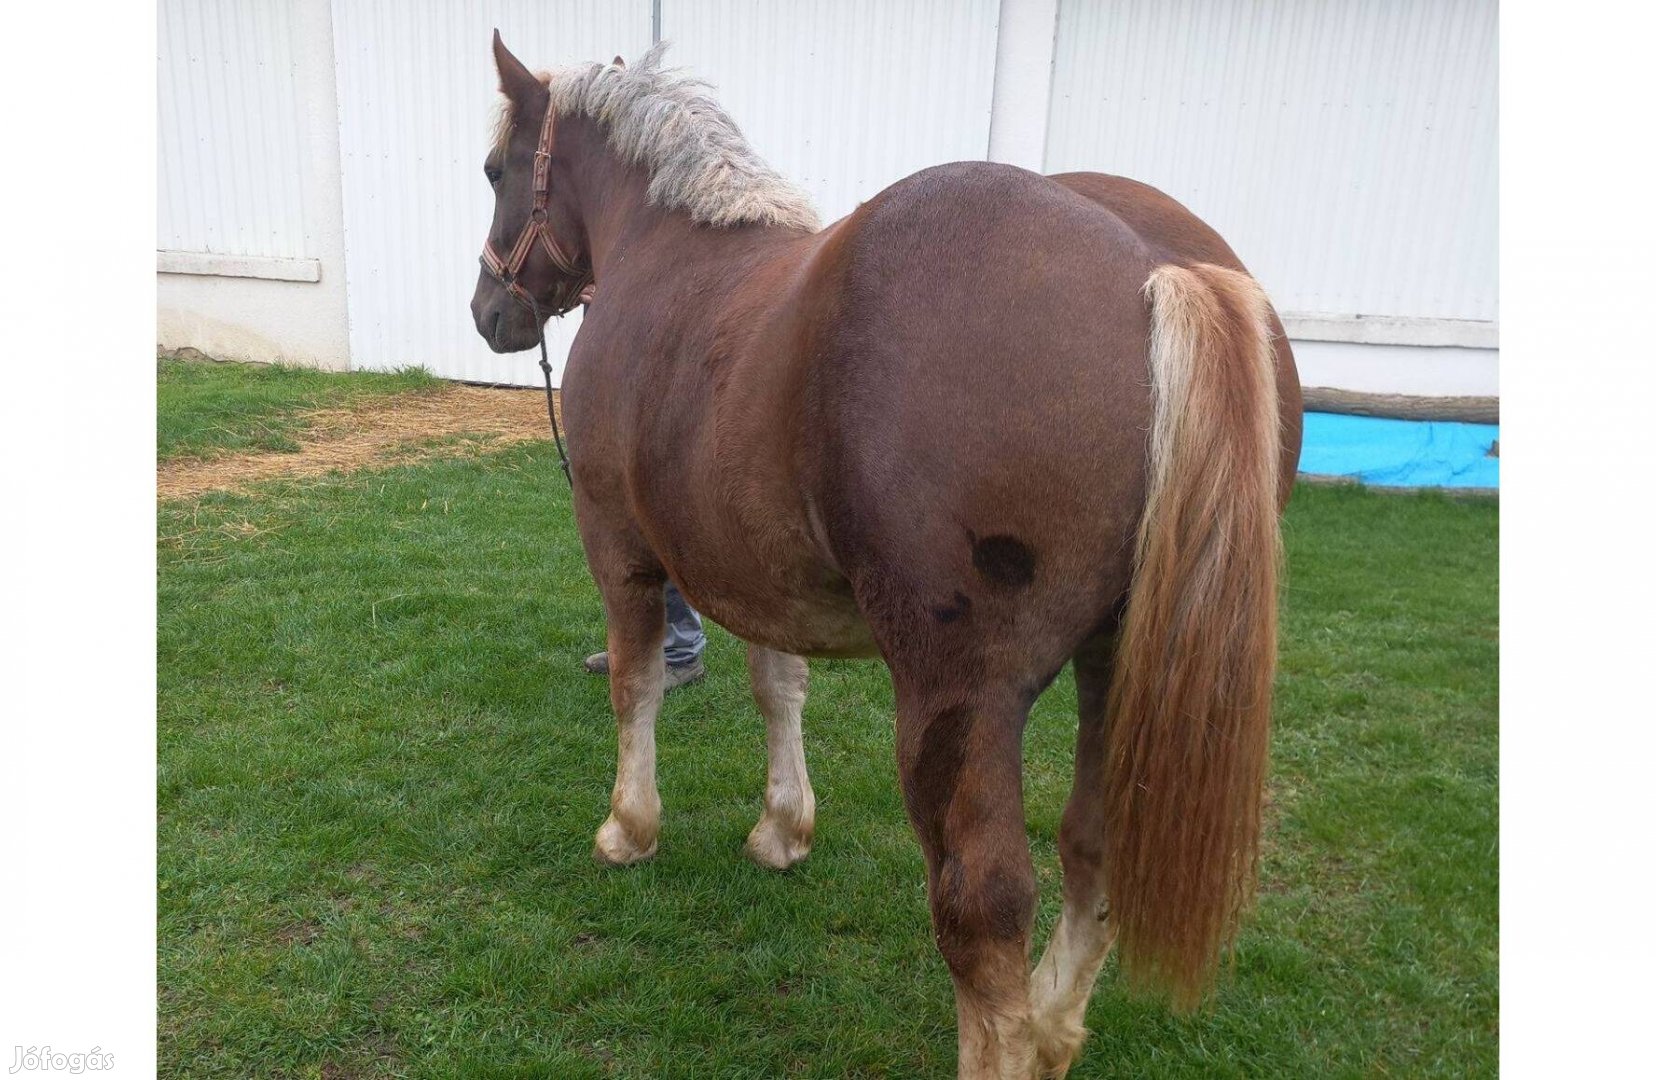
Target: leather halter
(539, 227)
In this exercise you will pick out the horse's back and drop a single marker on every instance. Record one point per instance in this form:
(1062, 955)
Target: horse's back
(1166, 227)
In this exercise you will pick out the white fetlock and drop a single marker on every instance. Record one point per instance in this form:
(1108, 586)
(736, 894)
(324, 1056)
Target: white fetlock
(1058, 1037)
(1063, 982)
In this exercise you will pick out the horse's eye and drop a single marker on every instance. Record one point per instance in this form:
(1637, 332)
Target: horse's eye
(492, 173)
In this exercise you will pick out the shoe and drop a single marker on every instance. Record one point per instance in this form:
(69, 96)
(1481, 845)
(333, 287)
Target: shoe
(677, 674)
(683, 675)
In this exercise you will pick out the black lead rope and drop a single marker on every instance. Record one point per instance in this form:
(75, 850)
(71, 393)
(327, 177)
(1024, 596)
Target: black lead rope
(551, 408)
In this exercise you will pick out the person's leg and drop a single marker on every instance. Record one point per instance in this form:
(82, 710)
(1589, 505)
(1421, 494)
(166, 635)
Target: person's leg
(683, 648)
(685, 638)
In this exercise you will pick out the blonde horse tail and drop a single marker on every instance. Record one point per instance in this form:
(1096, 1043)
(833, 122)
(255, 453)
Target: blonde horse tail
(1190, 703)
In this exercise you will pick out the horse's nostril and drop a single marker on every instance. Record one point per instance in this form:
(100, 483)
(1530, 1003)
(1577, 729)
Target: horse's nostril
(494, 327)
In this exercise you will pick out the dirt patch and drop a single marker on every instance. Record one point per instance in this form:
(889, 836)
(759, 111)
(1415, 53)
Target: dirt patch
(372, 434)
(299, 933)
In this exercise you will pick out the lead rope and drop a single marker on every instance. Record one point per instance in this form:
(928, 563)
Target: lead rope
(551, 409)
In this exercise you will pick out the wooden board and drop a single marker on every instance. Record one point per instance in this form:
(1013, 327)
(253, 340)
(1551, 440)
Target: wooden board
(1468, 410)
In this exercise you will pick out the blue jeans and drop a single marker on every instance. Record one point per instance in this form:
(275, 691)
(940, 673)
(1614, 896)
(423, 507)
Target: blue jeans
(685, 640)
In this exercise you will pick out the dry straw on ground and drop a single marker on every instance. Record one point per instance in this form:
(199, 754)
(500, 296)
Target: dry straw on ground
(372, 434)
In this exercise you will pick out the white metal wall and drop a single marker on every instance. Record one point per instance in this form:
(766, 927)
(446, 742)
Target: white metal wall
(229, 129)
(1346, 150)
(417, 90)
(845, 96)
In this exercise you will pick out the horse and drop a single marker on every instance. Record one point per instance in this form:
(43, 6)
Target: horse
(988, 424)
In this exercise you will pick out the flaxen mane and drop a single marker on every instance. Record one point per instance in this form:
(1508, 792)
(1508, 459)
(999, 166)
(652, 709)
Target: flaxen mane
(666, 120)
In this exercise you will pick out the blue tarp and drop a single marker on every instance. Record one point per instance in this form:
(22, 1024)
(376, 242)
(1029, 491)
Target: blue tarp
(1401, 453)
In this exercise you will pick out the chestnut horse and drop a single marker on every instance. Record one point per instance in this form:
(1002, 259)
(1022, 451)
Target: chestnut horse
(988, 424)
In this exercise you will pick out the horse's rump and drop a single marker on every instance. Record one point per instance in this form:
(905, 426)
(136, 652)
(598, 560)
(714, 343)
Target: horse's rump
(981, 396)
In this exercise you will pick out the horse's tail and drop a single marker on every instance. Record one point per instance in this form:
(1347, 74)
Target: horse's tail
(1190, 701)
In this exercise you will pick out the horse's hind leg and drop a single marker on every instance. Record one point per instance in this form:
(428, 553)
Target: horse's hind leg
(959, 753)
(1063, 981)
(783, 835)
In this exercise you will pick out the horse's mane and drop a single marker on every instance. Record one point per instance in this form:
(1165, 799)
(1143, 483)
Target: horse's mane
(666, 120)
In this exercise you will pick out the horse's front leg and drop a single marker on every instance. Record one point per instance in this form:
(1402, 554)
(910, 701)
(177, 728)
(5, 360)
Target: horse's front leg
(637, 626)
(783, 835)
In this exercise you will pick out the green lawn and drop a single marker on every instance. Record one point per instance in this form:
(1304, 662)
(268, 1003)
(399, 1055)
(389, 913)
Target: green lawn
(205, 408)
(381, 768)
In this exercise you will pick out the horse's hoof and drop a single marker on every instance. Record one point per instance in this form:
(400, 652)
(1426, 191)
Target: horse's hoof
(615, 848)
(775, 848)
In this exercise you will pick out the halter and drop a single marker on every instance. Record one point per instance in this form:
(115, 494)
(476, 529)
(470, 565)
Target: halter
(576, 285)
(538, 227)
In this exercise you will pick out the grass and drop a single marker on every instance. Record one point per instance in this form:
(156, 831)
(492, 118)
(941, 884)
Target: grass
(205, 408)
(381, 767)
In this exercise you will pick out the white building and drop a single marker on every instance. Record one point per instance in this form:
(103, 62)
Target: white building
(322, 198)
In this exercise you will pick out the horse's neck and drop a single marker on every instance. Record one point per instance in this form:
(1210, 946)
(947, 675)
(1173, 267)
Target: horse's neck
(693, 282)
(640, 246)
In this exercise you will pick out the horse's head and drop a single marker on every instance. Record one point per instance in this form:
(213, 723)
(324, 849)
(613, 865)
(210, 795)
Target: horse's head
(534, 258)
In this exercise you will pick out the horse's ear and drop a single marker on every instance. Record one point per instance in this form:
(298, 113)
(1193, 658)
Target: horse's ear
(619, 62)
(516, 81)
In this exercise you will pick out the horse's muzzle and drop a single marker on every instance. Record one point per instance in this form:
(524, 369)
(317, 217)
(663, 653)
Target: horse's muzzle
(501, 321)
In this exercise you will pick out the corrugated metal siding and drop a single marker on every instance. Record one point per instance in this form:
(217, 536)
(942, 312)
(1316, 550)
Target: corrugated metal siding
(846, 96)
(228, 129)
(416, 99)
(1347, 151)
